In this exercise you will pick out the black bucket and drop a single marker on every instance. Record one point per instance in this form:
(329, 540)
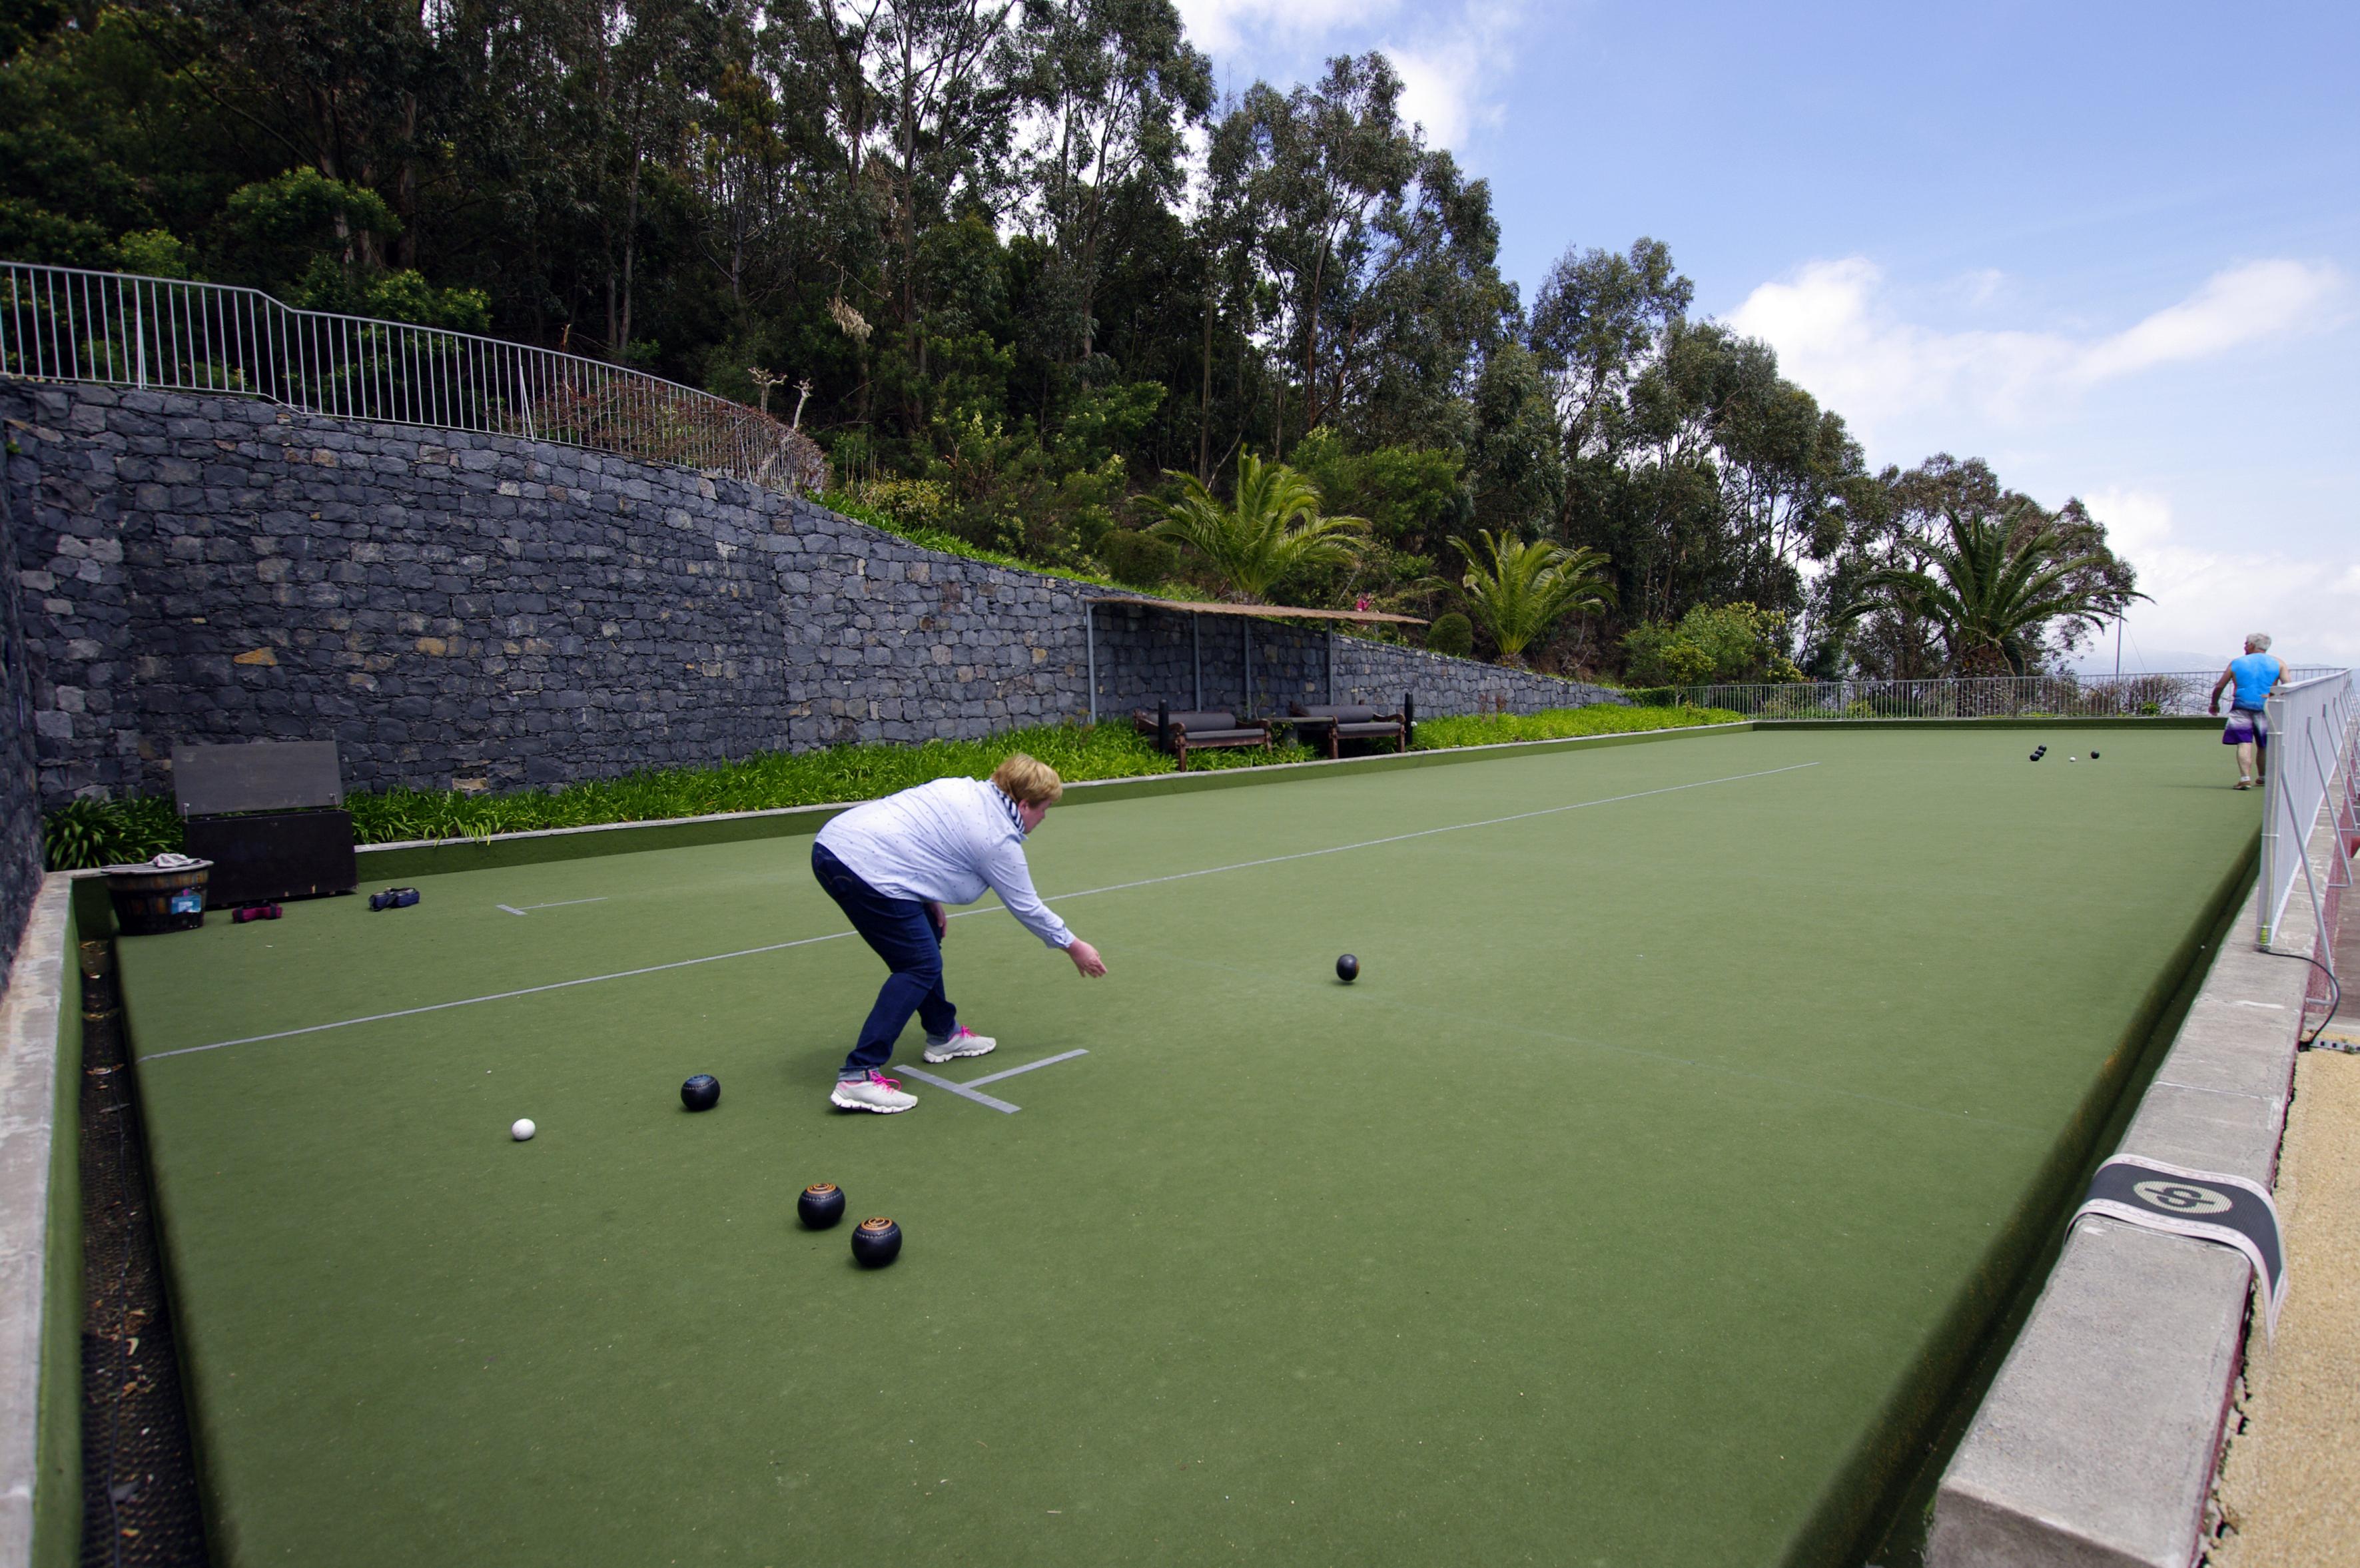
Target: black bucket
(151, 899)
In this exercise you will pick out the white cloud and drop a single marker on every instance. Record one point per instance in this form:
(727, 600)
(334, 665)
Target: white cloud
(1837, 336)
(1226, 27)
(1445, 73)
(1453, 58)
(2245, 304)
(2209, 597)
(2058, 408)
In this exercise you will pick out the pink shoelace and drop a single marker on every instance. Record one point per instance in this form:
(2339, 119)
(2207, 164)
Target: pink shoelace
(893, 1084)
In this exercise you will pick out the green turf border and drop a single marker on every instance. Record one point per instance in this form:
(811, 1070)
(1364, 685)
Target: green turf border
(1916, 1494)
(396, 862)
(2055, 721)
(1859, 1505)
(58, 1478)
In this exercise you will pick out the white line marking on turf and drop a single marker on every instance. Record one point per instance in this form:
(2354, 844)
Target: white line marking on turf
(562, 903)
(958, 1089)
(505, 906)
(960, 914)
(498, 996)
(1012, 1072)
(1423, 832)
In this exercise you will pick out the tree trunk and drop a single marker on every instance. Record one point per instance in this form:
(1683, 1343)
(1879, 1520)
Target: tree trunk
(1205, 397)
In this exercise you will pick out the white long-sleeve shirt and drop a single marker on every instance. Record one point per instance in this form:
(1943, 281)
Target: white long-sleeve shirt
(943, 842)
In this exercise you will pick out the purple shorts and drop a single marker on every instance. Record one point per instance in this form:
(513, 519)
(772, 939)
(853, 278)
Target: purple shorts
(2246, 726)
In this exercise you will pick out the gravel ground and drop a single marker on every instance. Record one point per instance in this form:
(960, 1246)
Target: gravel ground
(2287, 1494)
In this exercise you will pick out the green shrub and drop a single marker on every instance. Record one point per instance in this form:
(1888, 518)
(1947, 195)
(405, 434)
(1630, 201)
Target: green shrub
(1451, 633)
(1735, 642)
(1561, 724)
(1137, 560)
(86, 833)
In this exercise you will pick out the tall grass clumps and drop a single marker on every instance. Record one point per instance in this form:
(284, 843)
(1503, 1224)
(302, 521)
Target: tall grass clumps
(85, 833)
(1561, 724)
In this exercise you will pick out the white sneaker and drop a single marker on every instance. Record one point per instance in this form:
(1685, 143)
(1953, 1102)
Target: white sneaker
(967, 1042)
(874, 1092)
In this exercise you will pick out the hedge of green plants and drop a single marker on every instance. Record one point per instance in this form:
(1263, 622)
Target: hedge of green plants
(108, 833)
(1562, 723)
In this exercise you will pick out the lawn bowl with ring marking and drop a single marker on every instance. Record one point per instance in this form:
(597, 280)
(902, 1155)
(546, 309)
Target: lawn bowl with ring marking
(1348, 969)
(821, 1205)
(876, 1243)
(700, 1092)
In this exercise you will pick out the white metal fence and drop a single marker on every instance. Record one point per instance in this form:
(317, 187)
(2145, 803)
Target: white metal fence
(2176, 695)
(2309, 766)
(62, 323)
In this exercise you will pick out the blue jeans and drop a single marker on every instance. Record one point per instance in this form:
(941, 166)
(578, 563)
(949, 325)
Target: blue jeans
(903, 935)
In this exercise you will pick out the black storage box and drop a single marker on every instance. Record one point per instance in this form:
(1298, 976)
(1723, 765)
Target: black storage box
(270, 815)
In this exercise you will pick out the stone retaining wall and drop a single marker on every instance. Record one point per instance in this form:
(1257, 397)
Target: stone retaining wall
(21, 814)
(471, 611)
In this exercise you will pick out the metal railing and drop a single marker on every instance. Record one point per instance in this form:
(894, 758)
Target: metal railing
(2307, 765)
(63, 324)
(2177, 695)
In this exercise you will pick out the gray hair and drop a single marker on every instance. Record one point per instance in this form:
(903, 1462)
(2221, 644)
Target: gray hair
(2259, 642)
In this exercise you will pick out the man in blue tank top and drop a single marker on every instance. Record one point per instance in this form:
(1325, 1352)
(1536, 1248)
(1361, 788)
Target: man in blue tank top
(2254, 676)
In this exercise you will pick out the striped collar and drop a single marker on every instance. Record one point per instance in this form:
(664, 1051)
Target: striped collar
(1009, 805)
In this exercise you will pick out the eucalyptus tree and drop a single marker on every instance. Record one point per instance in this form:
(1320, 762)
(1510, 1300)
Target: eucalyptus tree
(1600, 320)
(1270, 529)
(1378, 256)
(1115, 87)
(1515, 466)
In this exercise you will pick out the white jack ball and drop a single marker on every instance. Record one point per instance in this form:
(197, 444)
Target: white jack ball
(523, 1129)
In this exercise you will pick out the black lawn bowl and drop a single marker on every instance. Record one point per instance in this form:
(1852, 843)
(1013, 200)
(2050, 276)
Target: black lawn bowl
(394, 899)
(1348, 969)
(2093, 757)
(821, 1205)
(700, 1092)
(876, 1243)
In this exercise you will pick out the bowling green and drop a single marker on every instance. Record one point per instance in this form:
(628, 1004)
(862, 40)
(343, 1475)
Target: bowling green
(1702, 1105)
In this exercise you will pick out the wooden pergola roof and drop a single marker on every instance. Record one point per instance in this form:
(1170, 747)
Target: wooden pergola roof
(1268, 611)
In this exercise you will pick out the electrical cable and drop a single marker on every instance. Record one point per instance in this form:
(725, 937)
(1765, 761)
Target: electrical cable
(2335, 1002)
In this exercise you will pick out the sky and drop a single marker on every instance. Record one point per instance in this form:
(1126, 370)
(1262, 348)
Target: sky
(2112, 249)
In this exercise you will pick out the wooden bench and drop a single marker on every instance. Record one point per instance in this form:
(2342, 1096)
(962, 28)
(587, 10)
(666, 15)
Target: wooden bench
(1207, 729)
(1336, 722)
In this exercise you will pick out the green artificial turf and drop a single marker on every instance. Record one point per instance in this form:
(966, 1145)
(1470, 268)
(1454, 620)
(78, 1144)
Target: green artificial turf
(1622, 1214)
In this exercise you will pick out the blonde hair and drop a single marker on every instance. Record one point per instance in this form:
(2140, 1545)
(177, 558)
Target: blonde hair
(1028, 781)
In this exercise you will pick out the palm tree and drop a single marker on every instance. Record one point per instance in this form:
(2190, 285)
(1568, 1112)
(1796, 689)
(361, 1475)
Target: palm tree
(1523, 587)
(1991, 593)
(1275, 528)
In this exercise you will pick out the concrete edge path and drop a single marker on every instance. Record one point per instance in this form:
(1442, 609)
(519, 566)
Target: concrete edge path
(2286, 1498)
(2097, 1444)
(29, 1100)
